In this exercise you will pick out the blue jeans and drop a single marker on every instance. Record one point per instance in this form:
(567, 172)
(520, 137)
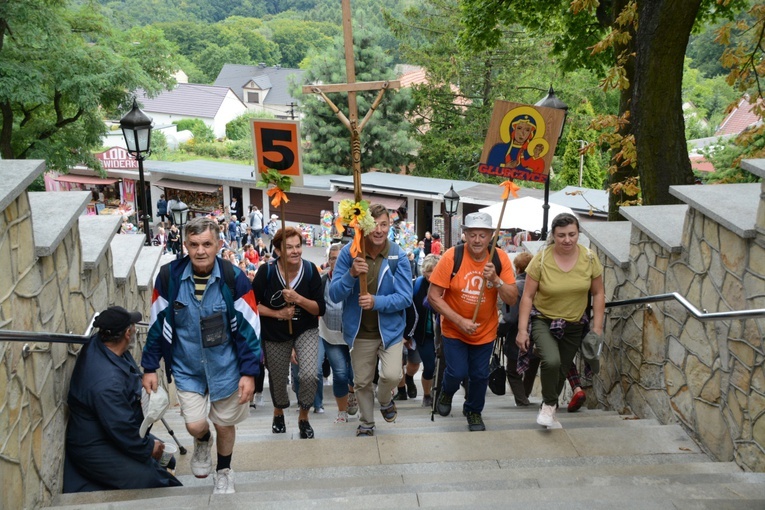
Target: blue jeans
(318, 399)
(339, 357)
(471, 361)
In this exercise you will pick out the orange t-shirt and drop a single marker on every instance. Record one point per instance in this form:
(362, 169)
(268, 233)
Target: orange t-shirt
(462, 294)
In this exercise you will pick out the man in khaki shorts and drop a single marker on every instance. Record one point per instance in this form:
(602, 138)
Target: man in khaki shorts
(205, 324)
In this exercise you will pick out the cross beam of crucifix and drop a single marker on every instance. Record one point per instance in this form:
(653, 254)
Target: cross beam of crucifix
(352, 120)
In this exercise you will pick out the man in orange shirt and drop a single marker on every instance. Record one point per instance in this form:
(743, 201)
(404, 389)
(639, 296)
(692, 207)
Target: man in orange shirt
(468, 345)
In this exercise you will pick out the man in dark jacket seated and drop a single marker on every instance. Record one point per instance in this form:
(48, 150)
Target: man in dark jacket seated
(104, 449)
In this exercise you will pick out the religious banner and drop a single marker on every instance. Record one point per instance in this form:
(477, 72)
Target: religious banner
(521, 141)
(276, 144)
(127, 190)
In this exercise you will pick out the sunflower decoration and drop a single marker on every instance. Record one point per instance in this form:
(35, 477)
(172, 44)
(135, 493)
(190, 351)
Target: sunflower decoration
(281, 185)
(355, 215)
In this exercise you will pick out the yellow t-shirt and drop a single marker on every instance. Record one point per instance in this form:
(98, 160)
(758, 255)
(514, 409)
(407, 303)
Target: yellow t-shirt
(462, 294)
(563, 294)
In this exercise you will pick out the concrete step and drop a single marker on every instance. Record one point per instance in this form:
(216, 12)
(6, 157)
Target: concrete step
(714, 201)
(463, 485)
(146, 266)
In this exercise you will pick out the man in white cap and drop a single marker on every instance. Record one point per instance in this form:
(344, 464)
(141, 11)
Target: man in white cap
(271, 229)
(104, 447)
(454, 289)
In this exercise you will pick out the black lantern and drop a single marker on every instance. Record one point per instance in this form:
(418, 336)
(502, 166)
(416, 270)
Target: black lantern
(551, 101)
(451, 203)
(136, 128)
(180, 213)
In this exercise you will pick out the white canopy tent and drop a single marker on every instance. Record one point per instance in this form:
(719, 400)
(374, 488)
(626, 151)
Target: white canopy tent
(524, 213)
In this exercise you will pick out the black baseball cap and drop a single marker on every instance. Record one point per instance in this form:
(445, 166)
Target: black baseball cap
(116, 319)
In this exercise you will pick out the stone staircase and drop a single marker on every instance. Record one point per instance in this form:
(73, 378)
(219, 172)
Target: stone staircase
(599, 459)
(57, 268)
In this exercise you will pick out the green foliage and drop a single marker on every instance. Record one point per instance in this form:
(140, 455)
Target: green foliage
(239, 128)
(158, 143)
(297, 38)
(241, 150)
(235, 40)
(202, 132)
(385, 142)
(726, 158)
(62, 71)
(207, 149)
(594, 173)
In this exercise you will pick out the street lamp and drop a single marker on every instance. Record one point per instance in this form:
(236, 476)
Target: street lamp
(451, 203)
(136, 128)
(180, 212)
(551, 101)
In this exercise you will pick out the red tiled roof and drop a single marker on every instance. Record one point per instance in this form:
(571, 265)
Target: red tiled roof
(739, 119)
(700, 164)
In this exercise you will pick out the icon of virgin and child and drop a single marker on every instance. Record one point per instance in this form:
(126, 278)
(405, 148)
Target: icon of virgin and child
(521, 152)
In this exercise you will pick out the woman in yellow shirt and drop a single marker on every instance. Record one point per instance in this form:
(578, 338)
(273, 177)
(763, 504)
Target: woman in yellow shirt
(552, 309)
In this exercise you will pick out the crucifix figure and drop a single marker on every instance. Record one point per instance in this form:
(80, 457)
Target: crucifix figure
(352, 120)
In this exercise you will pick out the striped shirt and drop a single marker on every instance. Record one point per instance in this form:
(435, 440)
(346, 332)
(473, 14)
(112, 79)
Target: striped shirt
(200, 284)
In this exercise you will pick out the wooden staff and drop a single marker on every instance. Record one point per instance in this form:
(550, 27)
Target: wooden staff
(283, 253)
(509, 187)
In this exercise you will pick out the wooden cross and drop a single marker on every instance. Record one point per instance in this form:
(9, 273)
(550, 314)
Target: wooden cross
(352, 120)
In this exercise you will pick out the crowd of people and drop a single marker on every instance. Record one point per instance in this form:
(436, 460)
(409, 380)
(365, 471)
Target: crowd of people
(231, 311)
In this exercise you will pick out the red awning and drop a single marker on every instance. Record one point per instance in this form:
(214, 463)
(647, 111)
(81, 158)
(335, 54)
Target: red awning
(84, 179)
(390, 202)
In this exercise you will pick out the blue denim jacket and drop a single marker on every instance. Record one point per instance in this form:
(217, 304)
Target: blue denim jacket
(196, 368)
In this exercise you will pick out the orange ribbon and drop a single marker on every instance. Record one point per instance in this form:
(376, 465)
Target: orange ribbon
(339, 225)
(358, 235)
(510, 187)
(278, 196)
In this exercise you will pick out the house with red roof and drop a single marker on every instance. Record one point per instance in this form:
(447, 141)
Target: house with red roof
(740, 118)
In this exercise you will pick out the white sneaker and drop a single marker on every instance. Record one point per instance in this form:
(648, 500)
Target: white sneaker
(556, 425)
(546, 416)
(318, 410)
(224, 482)
(259, 399)
(201, 461)
(353, 404)
(342, 417)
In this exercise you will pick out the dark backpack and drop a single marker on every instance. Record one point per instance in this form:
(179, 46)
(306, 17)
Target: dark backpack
(459, 253)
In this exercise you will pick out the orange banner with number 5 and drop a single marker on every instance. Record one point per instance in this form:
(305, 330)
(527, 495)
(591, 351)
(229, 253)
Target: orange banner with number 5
(276, 144)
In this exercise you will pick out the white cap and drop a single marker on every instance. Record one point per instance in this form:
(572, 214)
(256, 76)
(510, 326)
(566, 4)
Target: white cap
(154, 406)
(274, 217)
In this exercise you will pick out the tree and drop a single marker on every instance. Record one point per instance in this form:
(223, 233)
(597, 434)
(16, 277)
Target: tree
(297, 38)
(650, 92)
(62, 71)
(385, 142)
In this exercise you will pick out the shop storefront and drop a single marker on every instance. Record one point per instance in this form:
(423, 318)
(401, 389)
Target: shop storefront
(201, 198)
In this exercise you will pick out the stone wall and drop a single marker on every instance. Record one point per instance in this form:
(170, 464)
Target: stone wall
(663, 363)
(52, 294)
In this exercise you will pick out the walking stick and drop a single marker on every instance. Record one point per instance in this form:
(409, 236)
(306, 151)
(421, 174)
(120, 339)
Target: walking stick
(283, 249)
(172, 434)
(510, 187)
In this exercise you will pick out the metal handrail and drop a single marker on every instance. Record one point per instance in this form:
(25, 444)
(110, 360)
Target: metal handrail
(699, 315)
(51, 338)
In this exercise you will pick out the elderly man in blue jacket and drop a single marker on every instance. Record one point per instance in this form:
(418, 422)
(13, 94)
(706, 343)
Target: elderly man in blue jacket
(373, 323)
(104, 449)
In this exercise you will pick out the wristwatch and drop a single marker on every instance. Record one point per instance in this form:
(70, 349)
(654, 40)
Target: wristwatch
(497, 286)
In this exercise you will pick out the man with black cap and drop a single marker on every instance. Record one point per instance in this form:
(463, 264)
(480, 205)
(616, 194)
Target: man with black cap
(104, 447)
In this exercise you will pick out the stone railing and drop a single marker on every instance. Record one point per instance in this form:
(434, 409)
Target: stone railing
(659, 360)
(46, 285)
